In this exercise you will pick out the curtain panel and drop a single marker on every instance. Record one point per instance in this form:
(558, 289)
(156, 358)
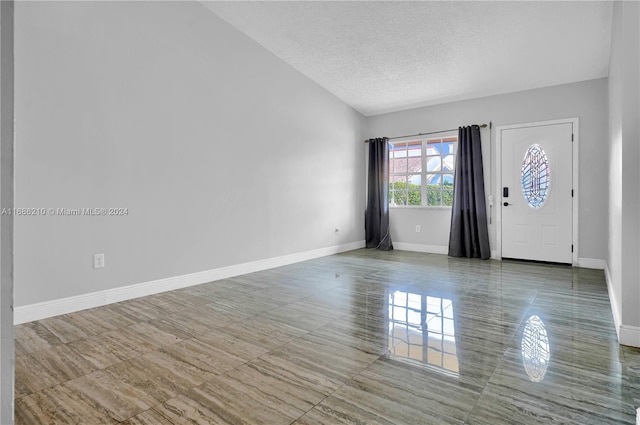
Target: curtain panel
(469, 235)
(376, 221)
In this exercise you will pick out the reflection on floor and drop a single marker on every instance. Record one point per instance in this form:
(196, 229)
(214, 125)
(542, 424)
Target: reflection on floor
(363, 337)
(421, 328)
(535, 349)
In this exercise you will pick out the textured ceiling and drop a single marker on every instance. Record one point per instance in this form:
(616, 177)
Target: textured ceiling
(388, 56)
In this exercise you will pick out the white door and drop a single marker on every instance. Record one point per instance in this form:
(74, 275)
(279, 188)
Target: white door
(536, 193)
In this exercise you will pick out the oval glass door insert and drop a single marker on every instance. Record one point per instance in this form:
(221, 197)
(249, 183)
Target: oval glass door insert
(535, 176)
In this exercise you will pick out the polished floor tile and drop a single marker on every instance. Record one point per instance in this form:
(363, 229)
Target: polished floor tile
(119, 399)
(60, 405)
(44, 368)
(148, 417)
(363, 337)
(113, 347)
(567, 394)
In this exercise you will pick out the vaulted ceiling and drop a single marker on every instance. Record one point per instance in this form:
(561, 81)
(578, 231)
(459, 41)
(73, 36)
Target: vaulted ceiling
(387, 56)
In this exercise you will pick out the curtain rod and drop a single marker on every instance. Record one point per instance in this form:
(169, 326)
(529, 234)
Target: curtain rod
(426, 134)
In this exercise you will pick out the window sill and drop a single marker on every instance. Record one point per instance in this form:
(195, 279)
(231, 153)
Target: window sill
(415, 207)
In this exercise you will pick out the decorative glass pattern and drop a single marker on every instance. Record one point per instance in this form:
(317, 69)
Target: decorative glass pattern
(535, 349)
(535, 176)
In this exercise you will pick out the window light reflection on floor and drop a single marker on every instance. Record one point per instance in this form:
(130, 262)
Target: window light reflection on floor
(422, 329)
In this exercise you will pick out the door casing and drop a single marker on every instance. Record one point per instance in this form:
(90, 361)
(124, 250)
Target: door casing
(575, 167)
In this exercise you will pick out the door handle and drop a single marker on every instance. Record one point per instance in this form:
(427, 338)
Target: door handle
(506, 204)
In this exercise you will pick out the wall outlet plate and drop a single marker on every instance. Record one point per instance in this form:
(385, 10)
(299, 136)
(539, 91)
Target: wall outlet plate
(98, 261)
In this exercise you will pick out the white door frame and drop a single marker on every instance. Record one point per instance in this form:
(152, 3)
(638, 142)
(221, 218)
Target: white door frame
(574, 162)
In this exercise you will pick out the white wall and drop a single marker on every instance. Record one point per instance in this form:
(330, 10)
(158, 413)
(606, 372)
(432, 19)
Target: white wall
(586, 100)
(624, 175)
(614, 254)
(221, 152)
(6, 221)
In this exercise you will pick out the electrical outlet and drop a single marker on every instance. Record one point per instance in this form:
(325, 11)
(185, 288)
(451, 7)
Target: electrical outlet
(98, 261)
(417, 228)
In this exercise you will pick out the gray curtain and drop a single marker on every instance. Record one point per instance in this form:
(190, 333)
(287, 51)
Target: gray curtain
(376, 221)
(469, 235)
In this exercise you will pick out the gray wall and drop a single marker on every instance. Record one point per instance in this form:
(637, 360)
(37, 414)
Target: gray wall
(624, 164)
(586, 100)
(6, 221)
(222, 153)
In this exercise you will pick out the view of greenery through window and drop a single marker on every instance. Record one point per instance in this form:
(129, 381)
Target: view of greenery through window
(429, 160)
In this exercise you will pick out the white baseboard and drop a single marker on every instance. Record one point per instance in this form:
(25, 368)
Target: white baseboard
(617, 318)
(46, 309)
(629, 335)
(431, 249)
(592, 263)
(415, 247)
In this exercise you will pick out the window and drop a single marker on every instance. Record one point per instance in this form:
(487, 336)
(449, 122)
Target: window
(421, 172)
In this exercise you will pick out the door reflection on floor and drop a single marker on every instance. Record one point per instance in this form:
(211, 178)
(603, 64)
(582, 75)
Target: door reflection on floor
(535, 349)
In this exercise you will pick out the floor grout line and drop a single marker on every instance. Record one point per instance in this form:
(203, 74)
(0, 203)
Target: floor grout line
(338, 388)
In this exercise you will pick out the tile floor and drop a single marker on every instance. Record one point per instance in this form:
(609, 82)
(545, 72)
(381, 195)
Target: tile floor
(363, 337)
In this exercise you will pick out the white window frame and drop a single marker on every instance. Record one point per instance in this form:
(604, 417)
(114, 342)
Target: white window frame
(424, 173)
